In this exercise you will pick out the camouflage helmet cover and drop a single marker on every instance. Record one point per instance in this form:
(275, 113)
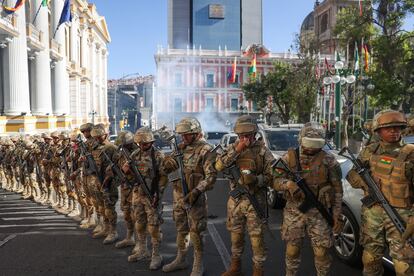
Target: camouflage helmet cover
(188, 125)
(389, 118)
(87, 126)
(245, 124)
(98, 130)
(124, 138)
(74, 134)
(54, 134)
(411, 122)
(144, 135)
(312, 136)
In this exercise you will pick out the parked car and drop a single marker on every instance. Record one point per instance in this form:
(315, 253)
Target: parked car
(228, 139)
(214, 137)
(112, 138)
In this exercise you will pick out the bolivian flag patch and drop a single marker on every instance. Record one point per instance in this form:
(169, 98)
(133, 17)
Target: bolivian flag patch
(279, 171)
(306, 169)
(386, 160)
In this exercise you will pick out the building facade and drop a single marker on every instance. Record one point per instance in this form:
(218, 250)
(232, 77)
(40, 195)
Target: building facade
(208, 24)
(52, 78)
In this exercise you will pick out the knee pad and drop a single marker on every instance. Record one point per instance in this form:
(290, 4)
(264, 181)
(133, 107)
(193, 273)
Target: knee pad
(154, 231)
(401, 268)
(292, 250)
(369, 258)
(237, 239)
(140, 227)
(320, 252)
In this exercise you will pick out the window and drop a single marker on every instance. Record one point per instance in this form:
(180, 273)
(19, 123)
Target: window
(234, 105)
(209, 104)
(324, 23)
(178, 105)
(210, 80)
(178, 80)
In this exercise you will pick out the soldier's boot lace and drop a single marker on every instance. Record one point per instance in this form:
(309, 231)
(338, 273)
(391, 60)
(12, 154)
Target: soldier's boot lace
(112, 235)
(156, 258)
(128, 241)
(142, 251)
(179, 262)
(103, 233)
(198, 266)
(234, 269)
(258, 270)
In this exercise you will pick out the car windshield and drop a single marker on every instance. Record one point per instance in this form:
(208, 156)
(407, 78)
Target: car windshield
(282, 140)
(215, 135)
(232, 139)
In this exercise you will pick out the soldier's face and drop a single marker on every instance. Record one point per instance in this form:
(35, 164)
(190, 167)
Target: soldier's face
(86, 133)
(390, 134)
(188, 138)
(56, 141)
(311, 151)
(100, 139)
(145, 146)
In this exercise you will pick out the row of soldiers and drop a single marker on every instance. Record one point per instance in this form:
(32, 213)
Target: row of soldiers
(87, 170)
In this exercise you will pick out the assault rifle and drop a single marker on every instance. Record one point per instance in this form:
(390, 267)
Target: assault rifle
(374, 193)
(65, 168)
(115, 168)
(138, 178)
(311, 201)
(90, 166)
(179, 158)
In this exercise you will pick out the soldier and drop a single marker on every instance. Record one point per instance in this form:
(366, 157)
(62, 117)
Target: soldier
(200, 177)
(85, 178)
(75, 177)
(3, 180)
(28, 158)
(46, 166)
(253, 160)
(391, 163)
(147, 207)
(8, 164)
(126, 140)
(322, 174)
(409, 131)
(103, 153)
(372, 136)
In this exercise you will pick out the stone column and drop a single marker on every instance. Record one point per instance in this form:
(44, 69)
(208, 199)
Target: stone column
(104, 82)
(61, 79)
(41, 96)
(16, 78)
(1, 79)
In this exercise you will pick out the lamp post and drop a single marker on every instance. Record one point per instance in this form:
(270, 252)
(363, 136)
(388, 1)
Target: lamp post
(366, 86)
(93, 113)
(341, 77)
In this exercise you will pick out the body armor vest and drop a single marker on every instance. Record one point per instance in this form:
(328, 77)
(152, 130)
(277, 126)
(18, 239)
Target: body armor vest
(389, 173)
(251, 163)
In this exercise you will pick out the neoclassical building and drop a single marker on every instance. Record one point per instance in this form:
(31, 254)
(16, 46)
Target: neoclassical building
(52, 79)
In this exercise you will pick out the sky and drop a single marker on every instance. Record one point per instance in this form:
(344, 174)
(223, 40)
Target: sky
(138, 26)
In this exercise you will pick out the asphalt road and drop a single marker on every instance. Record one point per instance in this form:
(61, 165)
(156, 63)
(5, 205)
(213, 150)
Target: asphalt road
(35, 240)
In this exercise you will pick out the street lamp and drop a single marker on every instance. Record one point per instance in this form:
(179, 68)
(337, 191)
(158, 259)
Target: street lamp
(93, 113)
(342, 76)
(366, 86)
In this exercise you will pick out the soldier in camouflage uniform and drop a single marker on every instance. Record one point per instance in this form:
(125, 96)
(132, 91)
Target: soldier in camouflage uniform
(391, 163)
(372, 136)
(200, 177)
(322, 174)
(3, 180)
(147, 212)
(409, 131)
(253, 160)
(46, 156)
(125, 140)
(75, 177)
(103, 152)
(8, 171)
(17, 165)
(31, 182)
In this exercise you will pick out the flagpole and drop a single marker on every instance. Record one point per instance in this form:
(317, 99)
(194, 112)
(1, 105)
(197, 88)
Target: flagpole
(37, 13)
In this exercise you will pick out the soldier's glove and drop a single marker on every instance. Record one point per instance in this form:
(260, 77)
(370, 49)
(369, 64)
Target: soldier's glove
(292, 188)
(126, 168)
(409, 231)
(192, 197)
(170, 164)
(338, 225)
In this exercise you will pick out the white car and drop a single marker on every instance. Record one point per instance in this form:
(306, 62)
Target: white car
(228, 139)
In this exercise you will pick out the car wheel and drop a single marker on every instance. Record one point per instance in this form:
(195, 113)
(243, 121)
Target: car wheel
(346, 244)
(275, 199)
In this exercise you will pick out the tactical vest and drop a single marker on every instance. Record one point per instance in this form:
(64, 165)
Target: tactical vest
(315, 173)
(390, 174)
(251, 165)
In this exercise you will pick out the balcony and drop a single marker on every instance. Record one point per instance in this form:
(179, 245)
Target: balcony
(8, 24)
(56, 51)
(34, 38)
(74, 69)
(85, 73)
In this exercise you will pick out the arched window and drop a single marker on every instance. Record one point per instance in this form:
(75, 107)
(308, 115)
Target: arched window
(324, 23)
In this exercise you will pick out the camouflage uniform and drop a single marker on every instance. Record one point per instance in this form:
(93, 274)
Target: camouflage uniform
(200, 177)
(409, 131)
(391, 165)
(254, 163)
(147, 216)
(107, 191)
(31, 183)
(372, 136)
(46, 166)
(125, 140)
(322, 174)
(8, 171)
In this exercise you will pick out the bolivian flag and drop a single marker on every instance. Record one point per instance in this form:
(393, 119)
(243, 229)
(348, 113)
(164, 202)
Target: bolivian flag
(17, 6)
(252, 68)
(306, 169)
(386, 160)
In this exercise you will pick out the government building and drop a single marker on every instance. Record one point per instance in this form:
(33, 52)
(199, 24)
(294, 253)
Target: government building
(52, 78)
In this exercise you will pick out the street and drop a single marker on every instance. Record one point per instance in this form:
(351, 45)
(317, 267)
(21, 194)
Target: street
(35, 240)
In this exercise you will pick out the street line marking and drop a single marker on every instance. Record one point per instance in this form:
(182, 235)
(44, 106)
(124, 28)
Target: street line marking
(7, 239)
(38, 224)
(221, 247)
(37, 218)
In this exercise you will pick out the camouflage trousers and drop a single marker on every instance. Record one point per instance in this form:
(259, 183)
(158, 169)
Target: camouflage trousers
(110, 197)
(95, 193)
(86, 189)
(242, 215)
(295, 226)
(58, 182)
(126, 206)
(377, 231)
(31, 184)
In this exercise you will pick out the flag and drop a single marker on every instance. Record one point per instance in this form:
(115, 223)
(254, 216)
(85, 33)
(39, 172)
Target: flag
(328, 67)
(366, 57)
(360, 7)
(45, 3)
(233, 70)
(66, 15)
(17, 6)
(356, 58)
(252, 68)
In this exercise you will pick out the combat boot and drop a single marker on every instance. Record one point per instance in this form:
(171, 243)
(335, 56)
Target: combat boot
(156, 258)
(258, 270)
(198, 266)
(74, 211)
(103, 233)
(142, 251)
(64, 209)
(128, 241)
(112, 235)
(99, 226)
(234, 269)
(179, 262)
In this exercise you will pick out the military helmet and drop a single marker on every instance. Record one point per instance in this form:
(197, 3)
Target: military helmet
(389, 118)
(74, 134)
(245, 124)
(124, 138)
(312, 135)
(188, 125)
(87, 126)
(64, 135)
(8, 142)
(29, 144)
(98, 130)
(46, 136)
(54, 134)
(144, 135)
(14, 139)
(411, 122)
(368, 125)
